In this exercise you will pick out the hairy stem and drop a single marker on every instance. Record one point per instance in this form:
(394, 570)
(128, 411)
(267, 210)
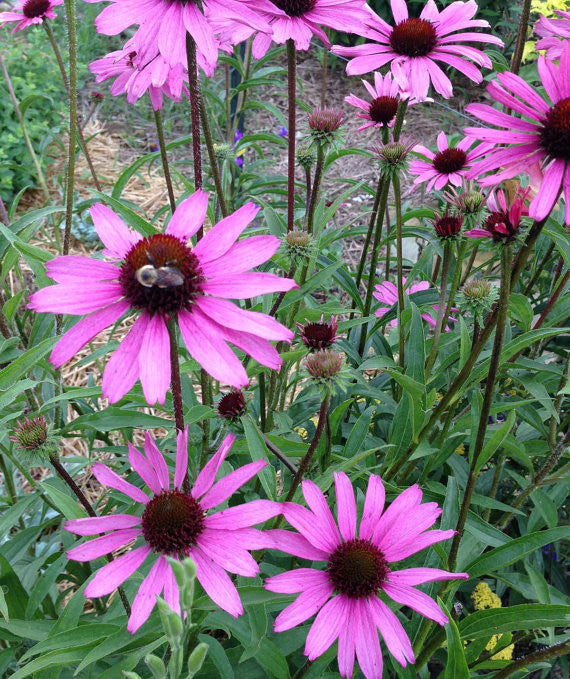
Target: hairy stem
(292, 87)
(544, 654)
(70, 10)
(316, 188)
(445, 266)
(212, 157)
(399, 271)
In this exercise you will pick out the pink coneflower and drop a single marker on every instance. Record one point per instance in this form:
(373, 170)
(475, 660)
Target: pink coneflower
(385, 96)
(414, 45)
(30, 12)
(135, 77)
(319, 335)
(176, 524)
(542, 136)
(504, 220)
(554, 33)
(163, 26)
(162, 277)
(345, 594)
(387, 293)
(299, 20)
(449, 165)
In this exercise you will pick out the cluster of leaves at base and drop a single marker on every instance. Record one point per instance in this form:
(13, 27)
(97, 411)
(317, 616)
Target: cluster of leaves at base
(37, 82)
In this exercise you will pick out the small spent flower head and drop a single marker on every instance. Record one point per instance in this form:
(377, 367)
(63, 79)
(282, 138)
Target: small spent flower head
(447, 225)
(223, 152)
(319, 335)
(31, 435)
(327, 370)
(305, 156)
(299, 245)
(477, 298)
(393, 155)
(324, 125)
(232, 405)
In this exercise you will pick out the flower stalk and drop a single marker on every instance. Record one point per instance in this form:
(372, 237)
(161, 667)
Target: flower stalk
(316, 188)
(441, 308)
(164, 158)
(194, 88)
(502, 309)
(399, 262)
(70, 11)
(291, 85)
(212, 156)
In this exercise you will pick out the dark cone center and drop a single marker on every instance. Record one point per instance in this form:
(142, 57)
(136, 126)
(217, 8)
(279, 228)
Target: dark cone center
(172, 521)
(35, 8)
(357, 569)
(448, 226)
(318, 335)
(501, 220)
(383, 109)
(295, 8)
(232, 405)
(450, 160)
(555, 132)
(413, 37)
(161, 275)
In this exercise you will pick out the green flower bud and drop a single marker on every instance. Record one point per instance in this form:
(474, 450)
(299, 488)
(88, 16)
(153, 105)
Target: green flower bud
(156, 666)
(196, 659)
(171, 622)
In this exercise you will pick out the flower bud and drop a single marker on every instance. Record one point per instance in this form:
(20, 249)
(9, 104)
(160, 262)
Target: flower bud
(156, 666)
(319, 335)
(327, 371)
(447, 225)
(324, 125)
(232, 406)
(196, 659)
(299, 245)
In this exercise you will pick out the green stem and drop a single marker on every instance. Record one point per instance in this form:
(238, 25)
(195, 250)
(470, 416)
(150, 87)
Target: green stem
(537, 656)
(445, 266)
(316, 188)
(164, 158)
(470, 262)
(374, 261)
(399, 263)
(399, 122)
(292, 86)
(521, 37)
(70, 10)
(371, 224)
(455, 281)
(503, 304)
(212, 157)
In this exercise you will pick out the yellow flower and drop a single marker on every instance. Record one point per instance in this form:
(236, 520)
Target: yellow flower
(483, 597)
(460, 450)
(303, 433)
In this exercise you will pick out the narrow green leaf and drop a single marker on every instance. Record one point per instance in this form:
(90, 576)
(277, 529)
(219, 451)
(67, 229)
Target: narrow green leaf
(495, 442)
(258, 451)
(455, 664)
(513, 618)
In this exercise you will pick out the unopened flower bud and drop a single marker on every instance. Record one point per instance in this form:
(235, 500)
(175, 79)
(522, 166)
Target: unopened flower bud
(223, 152)
(327, 371)
(324, 125)
(299, 245)
(305, 156)
(196, 659)
(232, 406)
(393, 156)
(156, 666)
(31, 435)
(447, 225)
(319, 335)
(477, 298)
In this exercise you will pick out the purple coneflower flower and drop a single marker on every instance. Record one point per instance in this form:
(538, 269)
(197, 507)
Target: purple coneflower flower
(541, 136)
(177, 524)
(554, 32)
(414, 45)
(504, 219)
(162, 277)
(30, 12)
(345, 593)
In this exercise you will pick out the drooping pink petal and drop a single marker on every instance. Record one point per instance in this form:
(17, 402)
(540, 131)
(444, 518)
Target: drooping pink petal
(297, 545)
(117, 238)
(106, 544)
(326, 627)
(188, 216)
(113, 574)
(108, 478)
(304, 606)
(122, 369)
(319, 506)
(228, 314)
(416, 600)
(297, 580)
(346, 638)
(313, 529)
(181, 467)
(94, 525)
(209, 350)
(67, 298)
(417, 576)
(346, 506)
(258, 348)
(392, 632)
(143, 468)
(171, 591)
(154, 371)
(228, 485)
(85, 330)
(72, 269)
(227, 551)
(145, 598)
(216, 583)
(225, 233)
(157, 461)
(373, 506)
(367, 643)
(207, 476)
(243, 516)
